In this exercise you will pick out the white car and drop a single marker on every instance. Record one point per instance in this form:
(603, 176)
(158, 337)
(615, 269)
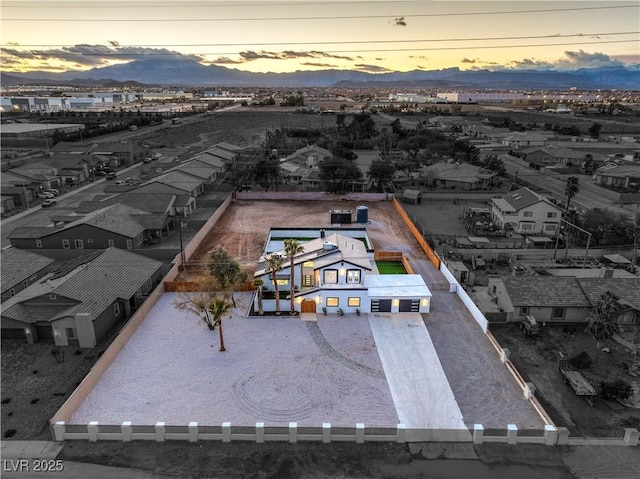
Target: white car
(47, 203)
(44, 194)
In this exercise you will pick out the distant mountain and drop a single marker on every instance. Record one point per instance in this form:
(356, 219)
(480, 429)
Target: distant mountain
(188, 72)
(13, 79)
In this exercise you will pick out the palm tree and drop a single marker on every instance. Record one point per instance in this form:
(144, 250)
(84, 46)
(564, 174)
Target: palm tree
(292, 247)
(258, 283)
(571, 189)
(602, 320)
(274, 264)
(218, 308)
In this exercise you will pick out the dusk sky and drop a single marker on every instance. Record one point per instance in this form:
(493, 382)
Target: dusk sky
(289, 35)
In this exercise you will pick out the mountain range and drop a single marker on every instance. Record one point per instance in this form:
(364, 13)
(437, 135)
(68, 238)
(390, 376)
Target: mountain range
(188, 72)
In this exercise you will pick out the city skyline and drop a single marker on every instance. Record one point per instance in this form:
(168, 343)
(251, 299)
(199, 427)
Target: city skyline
(374, 36)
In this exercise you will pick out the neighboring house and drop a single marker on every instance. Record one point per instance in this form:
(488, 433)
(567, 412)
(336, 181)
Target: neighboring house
(338, 272)
(80, 301)
(561, 298)
(309, 156)
(117, 226)
(189, 184)
(552, 155)
(202, 172)
(526, 212)
(185, 202)
(72, 148)
(126, 152)
(292, 173)
(22, 196)
(36, 177)
(7, 204)
(462, 176)
(20, 269)
(160, 203)
(211, 161)
(624, 176)
(523, 139)
(226, 155)
(447, 122)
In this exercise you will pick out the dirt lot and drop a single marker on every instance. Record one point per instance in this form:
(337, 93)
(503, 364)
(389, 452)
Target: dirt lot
(537, 360)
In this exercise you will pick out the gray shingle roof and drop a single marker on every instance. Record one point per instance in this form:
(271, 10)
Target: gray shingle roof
(521, 198)
(627, 289)
(546, 291)
(19, 265)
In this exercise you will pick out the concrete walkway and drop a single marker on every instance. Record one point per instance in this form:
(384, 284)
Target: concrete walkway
(419, 388)
(30, 449)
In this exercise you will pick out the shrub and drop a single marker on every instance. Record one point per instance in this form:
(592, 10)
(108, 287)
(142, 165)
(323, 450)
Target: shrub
(617, 389)
(581, 361)
(5, 401)
(10, 433)
(34, 400)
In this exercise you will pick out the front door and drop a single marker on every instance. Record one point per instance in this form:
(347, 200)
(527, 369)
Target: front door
(308, 306)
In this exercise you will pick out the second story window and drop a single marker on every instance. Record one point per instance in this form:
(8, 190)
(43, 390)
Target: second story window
(527, 214)
(353, 276)
(330, 276)
(552, 215)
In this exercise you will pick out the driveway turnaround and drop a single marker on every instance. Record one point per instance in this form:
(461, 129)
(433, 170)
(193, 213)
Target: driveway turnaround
(424, 401)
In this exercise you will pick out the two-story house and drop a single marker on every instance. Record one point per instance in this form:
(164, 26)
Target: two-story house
(526, 212)
(338, 272)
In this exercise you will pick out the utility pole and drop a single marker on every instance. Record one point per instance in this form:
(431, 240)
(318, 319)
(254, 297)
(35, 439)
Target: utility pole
(180, 215)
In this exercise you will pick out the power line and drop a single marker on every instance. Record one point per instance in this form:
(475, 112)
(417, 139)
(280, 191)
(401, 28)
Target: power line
(357, 42)
(328, 17)
(382, 50)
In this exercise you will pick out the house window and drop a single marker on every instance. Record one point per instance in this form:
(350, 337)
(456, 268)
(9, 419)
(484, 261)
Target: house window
(330, 276)
(333, 302)
(52, 296)
(38, 243)
(71, 333)
(527, 214)
(129, 244)
(527, 227)
(308, 264)
(353, 276)
(354, 302)
(282, 281)
(78, 244)
(116, 309)
(557, 313)
(65, 243)
(111, 243)
(552, 215)
(550, 227)
(89, 241)
(524, 311)
(12, 292)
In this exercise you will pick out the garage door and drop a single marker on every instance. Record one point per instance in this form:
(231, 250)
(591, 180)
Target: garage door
(380, 305)
(409, 305)
(14, 333)
(44, 333)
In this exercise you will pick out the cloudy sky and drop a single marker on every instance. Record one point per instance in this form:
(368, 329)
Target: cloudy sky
(289, 35)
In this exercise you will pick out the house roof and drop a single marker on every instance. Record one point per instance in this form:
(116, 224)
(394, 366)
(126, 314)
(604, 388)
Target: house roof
(620, 171)
(555, 152)
(19, 265)
(524, 197)
(229, 146)
(545, 291)
(158, 203)
(203, 171)
(179, 180)
(92, 286)
(72, 147)
(347, 249)
(462, 172)
(396, 285)
(627, 289)
(221, 152)
(309, 149)
(209, 160)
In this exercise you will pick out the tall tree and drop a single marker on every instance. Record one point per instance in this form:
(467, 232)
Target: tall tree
(218, 308)
(274, 264)
(293, 248)
(226, 271)
(338, 175)
(381, 172)
(602, 321)
(258, 283)
(571, 189)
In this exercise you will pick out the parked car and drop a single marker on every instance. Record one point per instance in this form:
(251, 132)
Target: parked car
(111, 176)
(147, 160)
(44, 195)
(101, 173)
(47, 203)
(121, 182)
(53, 191)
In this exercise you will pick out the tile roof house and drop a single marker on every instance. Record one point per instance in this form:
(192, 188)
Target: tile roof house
(457, 175)
(621, 176)
(550, 155)
(338, 272)
(81, 300)
(21, 268)
(562, 298)
(117, 225)
(526, 212)
(309, 156)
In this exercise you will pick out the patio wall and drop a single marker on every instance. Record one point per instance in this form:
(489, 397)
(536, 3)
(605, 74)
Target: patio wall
(311, 196)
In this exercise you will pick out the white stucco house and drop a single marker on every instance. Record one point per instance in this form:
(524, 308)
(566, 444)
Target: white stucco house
(526, 212)
(338, 272)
